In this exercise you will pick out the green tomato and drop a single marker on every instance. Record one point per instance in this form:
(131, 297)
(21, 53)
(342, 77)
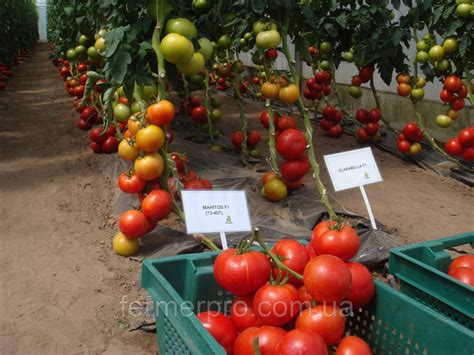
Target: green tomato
(421, 45)
(257, 59)
(443, 121)
(248, 36)
(71, 54)
(181, 26)
(442, 65)
(417, 94)
(325, 65)
(422, 57)
(102, 33)
(83, 40)
(436, 53)
(348, 57)
(263, 25)
(217, 148)
(216, 115)
(122, 112)
(255, 153)
(215, 102)
(196, 79)
(450, 45)
(120, 91)
(200, 4)
(464, 10)
(224, 42)
(136, 107)
(149, 91)
(194, 66)
(93, 53)
(325, 47)
(355, 91)
(81, 52)
(177, 49)
(206, 48)
(268, 39)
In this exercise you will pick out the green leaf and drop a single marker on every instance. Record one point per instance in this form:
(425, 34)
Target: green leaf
(118, 65)
(112, 40)
(258, 6)
(396, 4)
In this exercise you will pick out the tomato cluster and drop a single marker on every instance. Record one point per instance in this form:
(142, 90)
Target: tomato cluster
(290, 314)
(462, 145)
(408, 140)
(280, 88)
(462, 269)
(454, 92)
(318, 86)
(364, 76)
(5, 73)
(104, 140)
(330, 121)
(371, 120)
(409, 86)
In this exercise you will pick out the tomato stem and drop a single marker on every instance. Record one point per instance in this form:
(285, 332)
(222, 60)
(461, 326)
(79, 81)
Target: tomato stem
(274, 258)
(207, 103)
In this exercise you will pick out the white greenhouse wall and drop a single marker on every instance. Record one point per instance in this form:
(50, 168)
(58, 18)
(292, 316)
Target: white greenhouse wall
(41, 5)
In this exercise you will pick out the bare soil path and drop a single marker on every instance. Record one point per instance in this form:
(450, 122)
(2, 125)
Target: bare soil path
(61, 284)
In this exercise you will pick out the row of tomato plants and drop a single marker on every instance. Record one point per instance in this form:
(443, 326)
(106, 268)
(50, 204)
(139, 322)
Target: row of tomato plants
(18, 35)
(122, 78)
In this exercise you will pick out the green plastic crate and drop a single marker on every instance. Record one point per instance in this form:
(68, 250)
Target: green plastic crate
(392, 324)
(422, 271)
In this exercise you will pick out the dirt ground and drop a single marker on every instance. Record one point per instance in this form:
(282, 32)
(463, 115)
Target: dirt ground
(61, 285)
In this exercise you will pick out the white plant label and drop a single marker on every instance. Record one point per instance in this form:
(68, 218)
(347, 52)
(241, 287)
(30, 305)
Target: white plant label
(354, 168)
(212, 211)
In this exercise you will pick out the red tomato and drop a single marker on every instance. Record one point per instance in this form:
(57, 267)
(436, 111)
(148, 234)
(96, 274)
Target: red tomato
(322, 227)
(404, 146)
(356, 81)
(365, 73)
(133, 224)
(293, 255)
(231, 271)
(462, 92)
(457, 104)
(327, 278)
(463, 260)
(157, 205)
(220, 327)
(301, 342)
(237, 139)
(276, 304)
(265, 117)
(95, 147)
(325, 124)
(363, 287)
(311, 251)
(412, 132)
(326, 320)
(466, 137)
(463, 274)
(291, 144)
(268, 339)
(110, 145)
(453, 147)
(329, 112)
(199, 114)
(286, 122)
(242, 313)
(335, 131)
(446, 96)
(295, 170)
(362, 116)
(452, 83)
(97, 135)
(352, 345)
(362, 135)
(305, 298)
(253, 138)
(293, 185)
(343, 243)
(375, 115)
(468, 154)
(372, 128)
(131, 184)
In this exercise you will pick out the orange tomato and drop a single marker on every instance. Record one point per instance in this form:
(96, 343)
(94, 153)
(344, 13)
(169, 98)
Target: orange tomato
(161, 113)
(149, 167)
(133, 125)
(150, 138)
(289, 94)
(128, 150)
(403, 78)
(404, 89)
(270, 90)
(127, 134)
